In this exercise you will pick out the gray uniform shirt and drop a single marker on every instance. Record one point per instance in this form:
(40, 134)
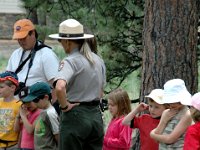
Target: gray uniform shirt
(84, 80)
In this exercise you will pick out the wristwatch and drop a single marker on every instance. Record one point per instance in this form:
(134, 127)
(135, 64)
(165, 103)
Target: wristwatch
(64, 108)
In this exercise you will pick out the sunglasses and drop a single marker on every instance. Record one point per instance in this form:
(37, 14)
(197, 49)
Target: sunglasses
(36, 100)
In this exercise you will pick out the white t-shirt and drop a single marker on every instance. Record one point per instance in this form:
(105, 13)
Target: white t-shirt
(44, 68)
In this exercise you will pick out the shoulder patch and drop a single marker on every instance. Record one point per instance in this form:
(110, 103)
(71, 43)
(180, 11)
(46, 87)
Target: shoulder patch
(61, 65)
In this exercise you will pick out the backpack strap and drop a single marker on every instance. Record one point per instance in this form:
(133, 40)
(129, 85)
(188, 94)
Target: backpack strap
(38, 46)
(22, 63)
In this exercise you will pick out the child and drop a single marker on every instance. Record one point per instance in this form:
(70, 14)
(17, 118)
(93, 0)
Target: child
(192, 137)
(8, 110)
(146, 122)
(118, 136)
(47, 125)
(25, 121)
(171, 130)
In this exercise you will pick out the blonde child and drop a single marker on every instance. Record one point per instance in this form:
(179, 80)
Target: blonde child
(192, 137)
(117, 135)
(174, 121)
(146, 122)
(9, 109)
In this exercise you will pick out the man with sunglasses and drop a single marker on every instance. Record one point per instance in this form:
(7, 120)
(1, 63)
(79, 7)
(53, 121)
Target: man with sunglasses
(47, 125)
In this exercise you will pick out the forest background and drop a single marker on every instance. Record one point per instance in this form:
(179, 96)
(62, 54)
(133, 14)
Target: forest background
(119, 26)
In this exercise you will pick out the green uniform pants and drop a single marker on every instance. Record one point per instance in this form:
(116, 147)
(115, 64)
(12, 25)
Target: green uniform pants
(81, 129)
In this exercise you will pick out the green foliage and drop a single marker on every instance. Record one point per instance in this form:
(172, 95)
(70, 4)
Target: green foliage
(3, 62)
(131, 84)
(59, 52)
(116, 24)
(43, 32)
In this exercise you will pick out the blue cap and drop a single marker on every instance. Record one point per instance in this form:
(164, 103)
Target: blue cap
(11, 76)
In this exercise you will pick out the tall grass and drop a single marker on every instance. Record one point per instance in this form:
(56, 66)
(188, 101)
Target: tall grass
(3, 63)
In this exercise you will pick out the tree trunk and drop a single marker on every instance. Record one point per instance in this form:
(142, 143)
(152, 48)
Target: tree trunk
(33, 16)
(170, 41)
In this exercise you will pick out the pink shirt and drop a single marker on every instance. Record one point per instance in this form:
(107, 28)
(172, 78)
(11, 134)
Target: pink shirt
(118, 136)
(27, 140)
(145, 123)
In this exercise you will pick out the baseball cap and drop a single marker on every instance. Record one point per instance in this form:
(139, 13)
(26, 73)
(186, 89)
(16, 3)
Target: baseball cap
(11, 76)
(22, 28)
(156, 95)
(36, 90)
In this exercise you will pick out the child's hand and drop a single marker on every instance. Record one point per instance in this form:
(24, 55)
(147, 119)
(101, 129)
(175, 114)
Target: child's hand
(167, 115)
(142, 107)
(23, 111)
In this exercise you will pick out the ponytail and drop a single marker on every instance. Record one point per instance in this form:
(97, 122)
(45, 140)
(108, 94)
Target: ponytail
(86, 51)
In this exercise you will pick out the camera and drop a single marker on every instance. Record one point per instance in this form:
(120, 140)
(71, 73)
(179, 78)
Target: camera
(104, 104)
(20, 87)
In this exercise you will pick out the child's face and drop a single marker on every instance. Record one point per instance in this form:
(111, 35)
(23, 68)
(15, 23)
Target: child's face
(175, 106)
(192, 110)
(155, 109)
(42, 103)
(39, 104)
(30, 106)
(5, 90)
(112, 108)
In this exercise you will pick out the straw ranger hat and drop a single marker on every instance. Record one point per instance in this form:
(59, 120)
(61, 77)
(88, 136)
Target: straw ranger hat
(175, 91)
(71, 29)
(156, 95)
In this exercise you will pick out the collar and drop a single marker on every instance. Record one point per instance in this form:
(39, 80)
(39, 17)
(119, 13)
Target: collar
(75, 50)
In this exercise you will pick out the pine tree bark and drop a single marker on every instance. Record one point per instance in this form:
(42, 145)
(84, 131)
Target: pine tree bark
(170, 41)
(33, 16)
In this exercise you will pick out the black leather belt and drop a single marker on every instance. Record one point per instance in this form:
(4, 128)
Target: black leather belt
(91, 103)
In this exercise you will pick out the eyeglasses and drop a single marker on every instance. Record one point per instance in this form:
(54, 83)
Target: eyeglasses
(36, 100)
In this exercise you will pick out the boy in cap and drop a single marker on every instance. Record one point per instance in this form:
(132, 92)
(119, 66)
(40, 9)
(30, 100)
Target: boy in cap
(9, 109)
(47, 125)
(147, 122)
